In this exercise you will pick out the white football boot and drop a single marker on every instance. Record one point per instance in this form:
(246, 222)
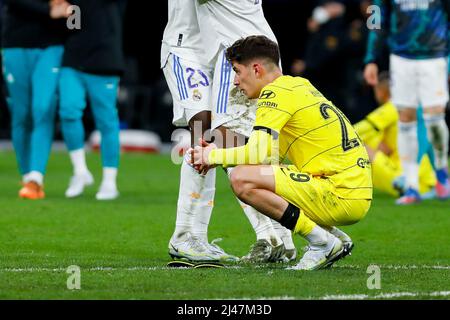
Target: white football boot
(289, 255)
(78, 183)
(223, 256)
(346, 240)
(107, 191)
(321, 255)
(193, 249)
(262, 251)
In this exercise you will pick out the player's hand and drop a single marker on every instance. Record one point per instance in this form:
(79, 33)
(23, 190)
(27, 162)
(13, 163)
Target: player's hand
(334, 9)
(298, 67)
(383, 147)
(203, 168)
(371, 74)
(199, 156)
(59, 9)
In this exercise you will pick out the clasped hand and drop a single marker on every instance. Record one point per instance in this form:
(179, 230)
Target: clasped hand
(199, 156)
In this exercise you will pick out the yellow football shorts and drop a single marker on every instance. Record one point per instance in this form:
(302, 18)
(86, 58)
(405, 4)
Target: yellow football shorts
(316, 199)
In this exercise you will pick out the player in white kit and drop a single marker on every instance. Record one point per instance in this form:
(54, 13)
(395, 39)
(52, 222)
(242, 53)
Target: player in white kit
(221, 23)
(190, 77)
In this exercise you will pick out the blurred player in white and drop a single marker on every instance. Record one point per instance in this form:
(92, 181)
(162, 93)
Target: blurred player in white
(190, 79)
(221, 23)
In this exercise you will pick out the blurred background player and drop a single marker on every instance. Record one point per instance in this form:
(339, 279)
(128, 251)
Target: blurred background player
(32, 42)
(417, 33)
(221, 23)
(379, 132)
(92, 64)
(329, 182)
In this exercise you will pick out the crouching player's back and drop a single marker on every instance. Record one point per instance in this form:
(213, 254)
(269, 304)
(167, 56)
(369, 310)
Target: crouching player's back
(328, 183)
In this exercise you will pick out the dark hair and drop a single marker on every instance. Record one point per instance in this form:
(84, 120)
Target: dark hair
(252, 47)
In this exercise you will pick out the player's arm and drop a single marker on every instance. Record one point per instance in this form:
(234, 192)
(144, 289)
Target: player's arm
(446, 7)
(271, 116)
(377, 121)
(55, 9)
(378, 36)
(257, 150)
(366, 129)
(32, 6)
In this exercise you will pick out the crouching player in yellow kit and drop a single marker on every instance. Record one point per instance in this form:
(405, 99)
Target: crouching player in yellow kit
(329, 182)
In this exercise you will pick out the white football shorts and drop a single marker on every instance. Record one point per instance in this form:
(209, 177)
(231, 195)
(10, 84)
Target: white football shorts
(230, 107)
(418, 81)
(189, 83)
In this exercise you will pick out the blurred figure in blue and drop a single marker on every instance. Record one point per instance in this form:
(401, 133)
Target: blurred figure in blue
(92, 65)
(32, 42)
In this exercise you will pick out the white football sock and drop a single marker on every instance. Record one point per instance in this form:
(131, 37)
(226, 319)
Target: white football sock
(318, 236)
(438, 135)
(35, 176)
(408, 149)
(204, 205)
(78, 160)
(191, 186)
(25, 177)
(109, 176)
(260, 223)
(285, 235)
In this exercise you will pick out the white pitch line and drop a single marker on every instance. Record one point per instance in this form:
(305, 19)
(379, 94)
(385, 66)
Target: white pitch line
(86, 269)
(144, 268)
(260, 298)
(391, 295)
(92, 269)
(395, 267)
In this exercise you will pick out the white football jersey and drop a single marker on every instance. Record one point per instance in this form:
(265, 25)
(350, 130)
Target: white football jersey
(182, 34)
(222, 22)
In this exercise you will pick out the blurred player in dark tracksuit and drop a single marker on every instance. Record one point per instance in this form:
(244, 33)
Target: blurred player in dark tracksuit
(32, 42)
(417, 33)
(92, 64)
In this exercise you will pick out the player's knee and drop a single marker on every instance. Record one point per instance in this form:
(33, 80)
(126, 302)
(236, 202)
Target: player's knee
(68, 112)
(43, 114)
(107, 126)
(20, 118)
(435, 110)
(239, 182)
(407, 115)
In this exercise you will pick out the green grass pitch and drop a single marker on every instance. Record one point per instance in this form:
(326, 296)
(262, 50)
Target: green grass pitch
(121, 246)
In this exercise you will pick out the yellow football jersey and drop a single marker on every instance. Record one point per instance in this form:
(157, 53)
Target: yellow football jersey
(315, 135)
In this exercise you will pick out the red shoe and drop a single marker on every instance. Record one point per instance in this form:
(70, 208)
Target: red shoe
(443, 190)
(32, 190)
(411, 196)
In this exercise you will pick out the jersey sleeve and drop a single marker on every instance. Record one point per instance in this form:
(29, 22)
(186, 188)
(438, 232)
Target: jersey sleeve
(378, 36)
(275, 108)
(377, 122)
(383, 117)
(446, 7)
(258, 150)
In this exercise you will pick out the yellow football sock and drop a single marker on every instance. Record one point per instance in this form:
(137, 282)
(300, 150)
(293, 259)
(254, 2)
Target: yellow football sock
(304, 225)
